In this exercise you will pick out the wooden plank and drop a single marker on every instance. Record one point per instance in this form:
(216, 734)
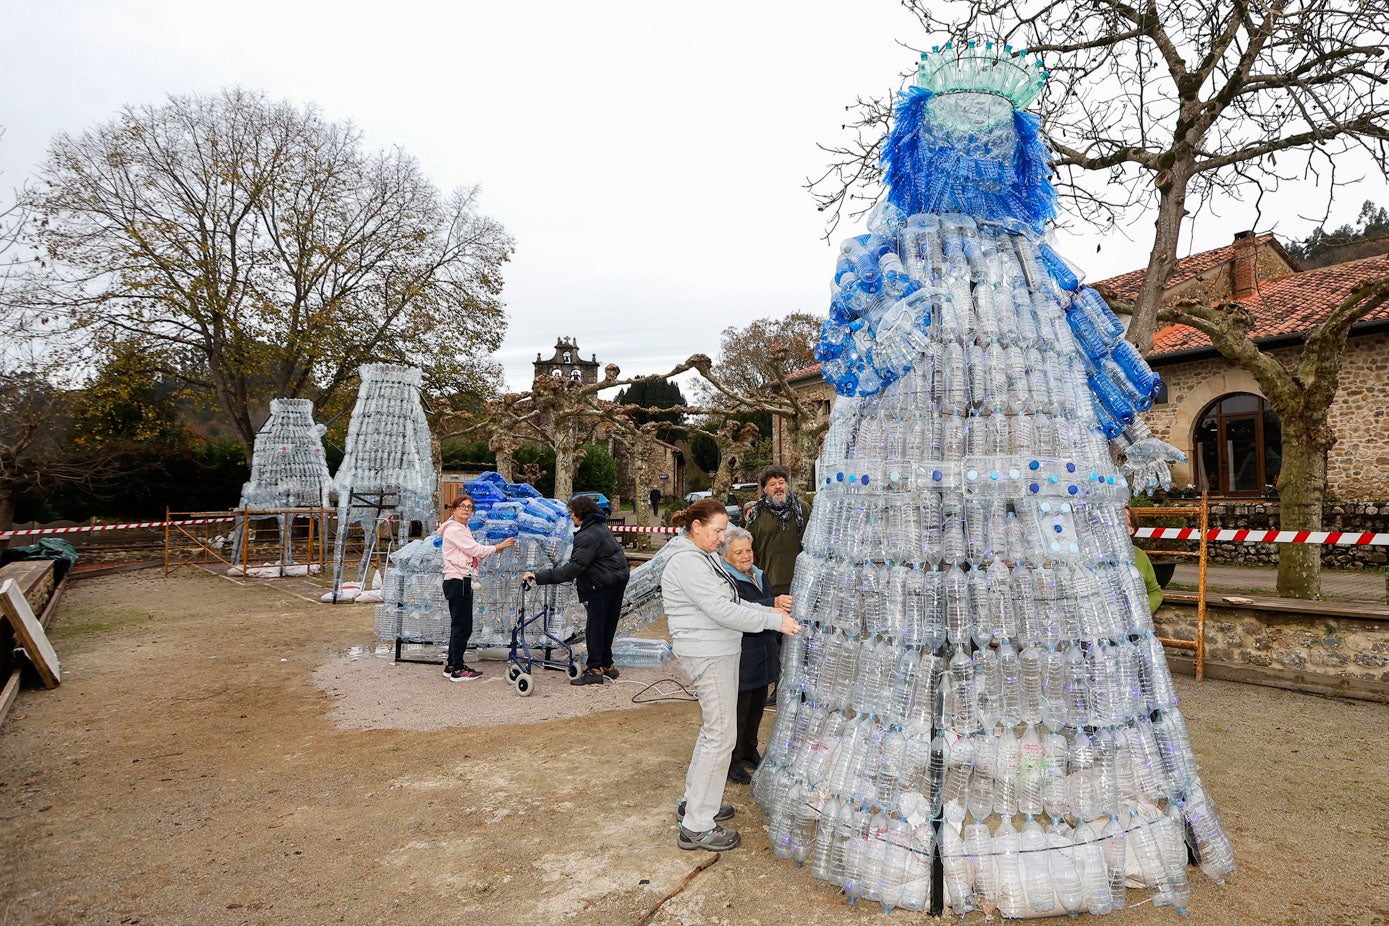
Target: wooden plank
(8, 696)
(28, 632)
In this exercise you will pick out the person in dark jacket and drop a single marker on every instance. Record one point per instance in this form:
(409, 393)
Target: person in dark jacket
(760, 664)
(598, 568)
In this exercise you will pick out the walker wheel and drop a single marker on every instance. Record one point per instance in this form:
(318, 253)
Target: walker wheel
(573, 671)
(524, 685)
(511, 672)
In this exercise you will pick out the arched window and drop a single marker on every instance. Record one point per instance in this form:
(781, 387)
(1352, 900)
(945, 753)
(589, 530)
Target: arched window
(566, 357)
(557, 372)
(574, 375)
(1239, 447)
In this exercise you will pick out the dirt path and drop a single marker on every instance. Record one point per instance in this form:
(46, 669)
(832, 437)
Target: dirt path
(216, 756)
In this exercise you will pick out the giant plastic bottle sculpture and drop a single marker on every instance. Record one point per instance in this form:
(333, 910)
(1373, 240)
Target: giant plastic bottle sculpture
(387, 469)
(288, 470)
(984, 718)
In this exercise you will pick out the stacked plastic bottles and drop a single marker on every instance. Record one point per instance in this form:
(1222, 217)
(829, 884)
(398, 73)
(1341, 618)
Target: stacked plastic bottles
(980, 688)
(288, 469)
(388, 456)
(544, 535)
(388, 442)
(641, 602)
(413, 605)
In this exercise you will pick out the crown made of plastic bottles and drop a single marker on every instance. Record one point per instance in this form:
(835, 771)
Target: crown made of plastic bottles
(982, 68)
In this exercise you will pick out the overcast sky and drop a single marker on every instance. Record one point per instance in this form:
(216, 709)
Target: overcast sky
(649, 158)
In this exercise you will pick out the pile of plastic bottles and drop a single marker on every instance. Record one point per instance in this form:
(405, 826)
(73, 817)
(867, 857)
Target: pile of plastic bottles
(413, 605)
(978, 678)
(641, 602)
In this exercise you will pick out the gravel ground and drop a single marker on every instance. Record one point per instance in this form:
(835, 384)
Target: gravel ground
(221, 753)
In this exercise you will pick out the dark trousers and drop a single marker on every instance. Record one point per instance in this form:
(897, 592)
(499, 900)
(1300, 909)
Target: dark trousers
(750, 706)
(604, 605)
(459, 593)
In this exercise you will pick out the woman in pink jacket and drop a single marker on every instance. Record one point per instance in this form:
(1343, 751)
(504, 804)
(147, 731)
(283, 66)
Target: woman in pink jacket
(461, 553)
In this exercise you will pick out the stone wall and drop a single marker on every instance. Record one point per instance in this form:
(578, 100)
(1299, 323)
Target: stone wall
(1302, 645)
(1357, 467)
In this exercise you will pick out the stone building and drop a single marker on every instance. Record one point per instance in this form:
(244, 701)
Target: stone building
(567, 363)
(1214, 410)
(811, 388)
(666, 463)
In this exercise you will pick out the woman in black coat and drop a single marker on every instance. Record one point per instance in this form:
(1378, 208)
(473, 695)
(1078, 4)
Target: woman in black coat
(760, 665)
(598, 568)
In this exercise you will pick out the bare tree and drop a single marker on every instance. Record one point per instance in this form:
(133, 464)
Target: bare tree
(1301, 392)
(558, 413)
(803, 422)
(264, 242)
(1169, 105)
(752, 357)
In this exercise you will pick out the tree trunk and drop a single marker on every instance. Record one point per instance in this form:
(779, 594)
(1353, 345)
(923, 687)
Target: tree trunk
(642, 477)
(6, 512)
(505, 448)
(1167, 230)
(568, 457)
(805, 441)
(1301, 492)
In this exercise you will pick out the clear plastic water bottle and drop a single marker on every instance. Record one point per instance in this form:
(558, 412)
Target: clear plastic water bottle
(1062, 863)
(1212, 844)
(959, 616)
(957, 883)
(1036, 874)
(1007, 846)
(963, 696)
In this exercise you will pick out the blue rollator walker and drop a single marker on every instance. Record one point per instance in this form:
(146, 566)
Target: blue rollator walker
(522, 658)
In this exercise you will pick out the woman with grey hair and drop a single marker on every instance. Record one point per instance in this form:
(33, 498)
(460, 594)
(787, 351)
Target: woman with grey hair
(760, 664)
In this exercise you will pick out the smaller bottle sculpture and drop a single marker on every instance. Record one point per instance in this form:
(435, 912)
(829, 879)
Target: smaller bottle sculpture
(387, 470)
(978, 700)
(288, 470)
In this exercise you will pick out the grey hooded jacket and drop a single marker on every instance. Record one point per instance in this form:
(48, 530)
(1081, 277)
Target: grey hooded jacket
(705, 615)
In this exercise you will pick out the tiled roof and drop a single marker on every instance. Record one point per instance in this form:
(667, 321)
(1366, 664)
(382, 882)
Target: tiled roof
(1126, 285)
(1290, 305)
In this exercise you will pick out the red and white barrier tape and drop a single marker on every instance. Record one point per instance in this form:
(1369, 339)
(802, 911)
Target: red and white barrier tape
(6, 535)
(1337, 538)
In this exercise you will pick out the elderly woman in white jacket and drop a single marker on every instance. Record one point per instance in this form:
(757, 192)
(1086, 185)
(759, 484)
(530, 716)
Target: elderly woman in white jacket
(707, 622)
